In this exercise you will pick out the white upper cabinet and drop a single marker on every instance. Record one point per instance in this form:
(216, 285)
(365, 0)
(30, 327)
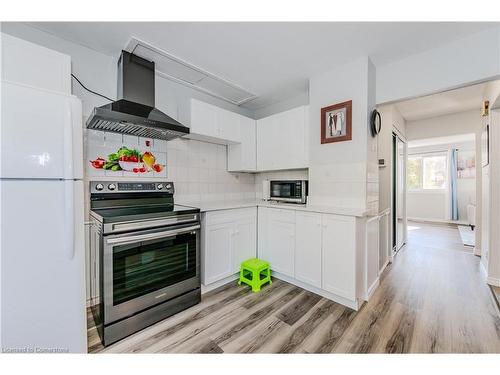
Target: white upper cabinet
(229, 125)
(242, 157)
(203, 119)
(33, 65)
(282, 140)
(213, 124)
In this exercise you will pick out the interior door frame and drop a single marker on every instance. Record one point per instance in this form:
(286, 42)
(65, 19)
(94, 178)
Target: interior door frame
(398, 136)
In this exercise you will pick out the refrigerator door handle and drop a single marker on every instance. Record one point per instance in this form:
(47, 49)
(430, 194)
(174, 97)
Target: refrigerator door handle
(69, 218)
(68, 142)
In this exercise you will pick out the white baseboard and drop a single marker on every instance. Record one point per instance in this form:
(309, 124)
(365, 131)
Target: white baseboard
(493, 281)
(355, 305)
(389, 260)
(218, 284)
(372, 289)
(436, 221)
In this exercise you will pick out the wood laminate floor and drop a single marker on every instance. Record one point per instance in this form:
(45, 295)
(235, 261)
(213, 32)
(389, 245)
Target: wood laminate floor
(432, 299)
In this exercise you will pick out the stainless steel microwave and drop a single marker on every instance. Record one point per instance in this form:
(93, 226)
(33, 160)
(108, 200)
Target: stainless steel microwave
(292, 191)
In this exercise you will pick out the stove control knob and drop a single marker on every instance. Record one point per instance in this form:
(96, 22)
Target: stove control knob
(159, 186)
(111, 187)
(99, 187)
(169, 186)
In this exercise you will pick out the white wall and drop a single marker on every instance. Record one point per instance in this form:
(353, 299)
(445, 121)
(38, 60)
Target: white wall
(338, 172)
(466, 122)
(472, 59)
(433, 205)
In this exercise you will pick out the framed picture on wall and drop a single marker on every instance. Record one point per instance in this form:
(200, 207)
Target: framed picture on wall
(336, 122)
(485, 146)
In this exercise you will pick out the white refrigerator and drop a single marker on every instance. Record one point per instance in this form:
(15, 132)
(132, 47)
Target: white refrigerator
(41, 222)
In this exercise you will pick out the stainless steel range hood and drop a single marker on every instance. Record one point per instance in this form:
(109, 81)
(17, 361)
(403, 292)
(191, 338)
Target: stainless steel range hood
(134, 112)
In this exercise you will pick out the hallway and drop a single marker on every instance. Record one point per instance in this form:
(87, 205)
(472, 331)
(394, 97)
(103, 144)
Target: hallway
(433, 298)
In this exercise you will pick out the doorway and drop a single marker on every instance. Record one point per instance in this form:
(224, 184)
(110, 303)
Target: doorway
(399, 220)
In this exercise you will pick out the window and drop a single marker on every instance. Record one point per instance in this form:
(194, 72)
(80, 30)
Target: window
(426, 172)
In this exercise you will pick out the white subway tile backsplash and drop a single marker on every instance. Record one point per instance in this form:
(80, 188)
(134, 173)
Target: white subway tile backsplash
(131, 141)
(95, 136)
(158, 144)
(113, 139)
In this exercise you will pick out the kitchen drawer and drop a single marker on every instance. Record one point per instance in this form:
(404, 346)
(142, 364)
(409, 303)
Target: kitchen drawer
(283, 215)
(230, 215)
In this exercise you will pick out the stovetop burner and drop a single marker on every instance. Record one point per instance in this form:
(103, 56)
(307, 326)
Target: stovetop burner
(118, 202)
(114, 215)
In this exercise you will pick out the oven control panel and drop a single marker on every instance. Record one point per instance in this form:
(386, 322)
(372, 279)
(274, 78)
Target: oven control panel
(131, 187)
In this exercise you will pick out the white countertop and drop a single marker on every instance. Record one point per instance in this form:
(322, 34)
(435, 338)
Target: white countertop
(221, 205)
(227, 205)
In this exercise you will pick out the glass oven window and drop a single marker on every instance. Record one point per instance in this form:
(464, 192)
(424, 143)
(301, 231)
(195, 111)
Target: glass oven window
(144, 267)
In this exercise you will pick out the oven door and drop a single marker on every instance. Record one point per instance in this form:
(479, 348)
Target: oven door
(145, 268)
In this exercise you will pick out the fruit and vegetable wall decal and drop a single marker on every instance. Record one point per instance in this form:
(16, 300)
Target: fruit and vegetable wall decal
(130, 160)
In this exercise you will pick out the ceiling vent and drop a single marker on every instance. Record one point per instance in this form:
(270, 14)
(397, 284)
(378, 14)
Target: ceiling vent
(175, 69)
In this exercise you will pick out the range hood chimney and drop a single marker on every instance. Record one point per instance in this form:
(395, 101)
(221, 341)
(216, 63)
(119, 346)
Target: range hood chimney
(134, 112)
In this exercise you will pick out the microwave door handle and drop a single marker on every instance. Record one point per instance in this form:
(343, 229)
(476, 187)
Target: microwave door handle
(150, 236)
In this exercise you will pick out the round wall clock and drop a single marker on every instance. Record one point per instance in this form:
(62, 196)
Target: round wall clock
(375, 123)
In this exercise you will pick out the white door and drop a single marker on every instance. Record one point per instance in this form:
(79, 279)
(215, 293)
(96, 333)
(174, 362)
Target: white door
(245, 241)
(43, 265)
(338, 256)
(281, 241)
(218, 261)
(308, 248)
(41, 134)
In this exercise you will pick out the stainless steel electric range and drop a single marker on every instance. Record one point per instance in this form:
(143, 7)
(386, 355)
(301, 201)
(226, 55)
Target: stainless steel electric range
(144, 256)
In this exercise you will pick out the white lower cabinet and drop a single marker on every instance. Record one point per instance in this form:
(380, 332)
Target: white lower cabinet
(308, 248)
(315, 249)
(244, 240)
(228, 238)
(218, 262)
(339, 255)
(277, 239)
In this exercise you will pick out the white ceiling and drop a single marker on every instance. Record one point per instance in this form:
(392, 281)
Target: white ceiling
(452, 139)
(272, 60)
(453, 101)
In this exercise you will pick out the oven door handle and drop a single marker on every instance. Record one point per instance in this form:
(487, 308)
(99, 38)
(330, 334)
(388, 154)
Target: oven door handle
(150, 236)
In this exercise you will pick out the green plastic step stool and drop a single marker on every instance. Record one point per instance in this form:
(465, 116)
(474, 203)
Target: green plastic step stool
(255, 268)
